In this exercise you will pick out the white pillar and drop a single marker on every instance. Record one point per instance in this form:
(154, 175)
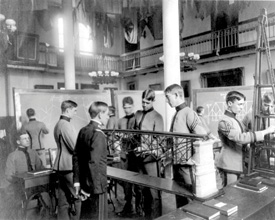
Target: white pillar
(69, 62)
(171, 48)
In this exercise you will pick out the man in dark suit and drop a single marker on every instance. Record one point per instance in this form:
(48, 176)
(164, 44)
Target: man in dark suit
(65, 137)
(90, 164)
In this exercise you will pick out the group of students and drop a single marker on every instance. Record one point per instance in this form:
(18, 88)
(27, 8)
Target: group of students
(143, 158)
(81, 162)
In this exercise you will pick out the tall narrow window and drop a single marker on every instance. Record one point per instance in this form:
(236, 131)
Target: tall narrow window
(60, 35)
(85, 41)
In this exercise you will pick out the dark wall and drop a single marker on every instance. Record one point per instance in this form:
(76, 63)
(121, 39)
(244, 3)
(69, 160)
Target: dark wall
(7, 143)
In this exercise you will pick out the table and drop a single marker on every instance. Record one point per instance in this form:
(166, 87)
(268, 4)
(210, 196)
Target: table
(32, 186)
(251, 205)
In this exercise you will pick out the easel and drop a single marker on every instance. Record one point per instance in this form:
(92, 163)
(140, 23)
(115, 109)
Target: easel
(262, 47)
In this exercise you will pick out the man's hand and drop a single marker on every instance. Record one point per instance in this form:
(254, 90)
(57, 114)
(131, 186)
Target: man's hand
(270, 129)
(77, 190)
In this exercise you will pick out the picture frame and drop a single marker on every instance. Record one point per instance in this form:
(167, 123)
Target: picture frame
(27, 46)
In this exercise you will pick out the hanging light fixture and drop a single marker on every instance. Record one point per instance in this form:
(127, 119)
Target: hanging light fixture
(104, 77)
(187, 61)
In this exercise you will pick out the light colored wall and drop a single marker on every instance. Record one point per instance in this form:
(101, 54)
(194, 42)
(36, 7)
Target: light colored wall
(247, 62)
(254, 9)
(27, 79)
(193, 25)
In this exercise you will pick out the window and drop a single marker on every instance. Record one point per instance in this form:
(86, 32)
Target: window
(60, 34)
(131, 86)
(85, 41)
(61, 86)
(155, 87)
(230, 77)
(43, 86)
(85, 45)
(187, 91)
(88, 86)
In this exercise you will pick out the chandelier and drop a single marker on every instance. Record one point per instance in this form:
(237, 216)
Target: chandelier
(187, 61)
(104, 77)
(7, 26)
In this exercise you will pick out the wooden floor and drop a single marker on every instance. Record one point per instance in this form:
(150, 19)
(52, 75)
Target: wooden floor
(168, 205)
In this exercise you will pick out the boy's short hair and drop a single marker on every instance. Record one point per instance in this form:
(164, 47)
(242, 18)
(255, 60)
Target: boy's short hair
(149, 94)
(112, 110)
(20, 133)
(175, 88)
(67, 104)
(268, 98)
(127, 100)
(30, 112)
(199, 109)
(234, 95)
(97, 107)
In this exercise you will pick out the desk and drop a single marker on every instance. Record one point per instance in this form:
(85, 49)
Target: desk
(251, 205)
(32, 185)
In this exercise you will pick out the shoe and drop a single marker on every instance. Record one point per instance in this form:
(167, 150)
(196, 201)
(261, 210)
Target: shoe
(125, 213)
(140, 212)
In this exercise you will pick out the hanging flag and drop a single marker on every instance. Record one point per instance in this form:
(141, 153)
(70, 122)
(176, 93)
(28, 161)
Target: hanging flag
(130, 25)
(108, 32)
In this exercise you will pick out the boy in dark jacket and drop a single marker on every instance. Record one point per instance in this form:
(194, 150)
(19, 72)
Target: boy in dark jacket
(90, 163)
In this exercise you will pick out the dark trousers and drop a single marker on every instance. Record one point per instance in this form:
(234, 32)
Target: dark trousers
(130, 165)
(184, 177)
(147, 198)
(95, 207)
(68, 205)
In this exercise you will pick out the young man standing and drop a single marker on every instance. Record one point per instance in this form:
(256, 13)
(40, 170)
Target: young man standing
(234, 138)
(148, 119)
(35, 129)
(185, 120)
(65, 138)
(267, 108)
(127, 122)
(90, 163)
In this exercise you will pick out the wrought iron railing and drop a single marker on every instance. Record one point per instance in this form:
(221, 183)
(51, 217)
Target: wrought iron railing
(170, 147)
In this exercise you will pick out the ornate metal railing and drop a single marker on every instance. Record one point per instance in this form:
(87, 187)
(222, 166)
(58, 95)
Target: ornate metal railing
(170, 147)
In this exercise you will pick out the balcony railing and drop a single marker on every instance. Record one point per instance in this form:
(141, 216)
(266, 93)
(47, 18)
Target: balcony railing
(237, 38)
(211, 43)
(88, 62)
